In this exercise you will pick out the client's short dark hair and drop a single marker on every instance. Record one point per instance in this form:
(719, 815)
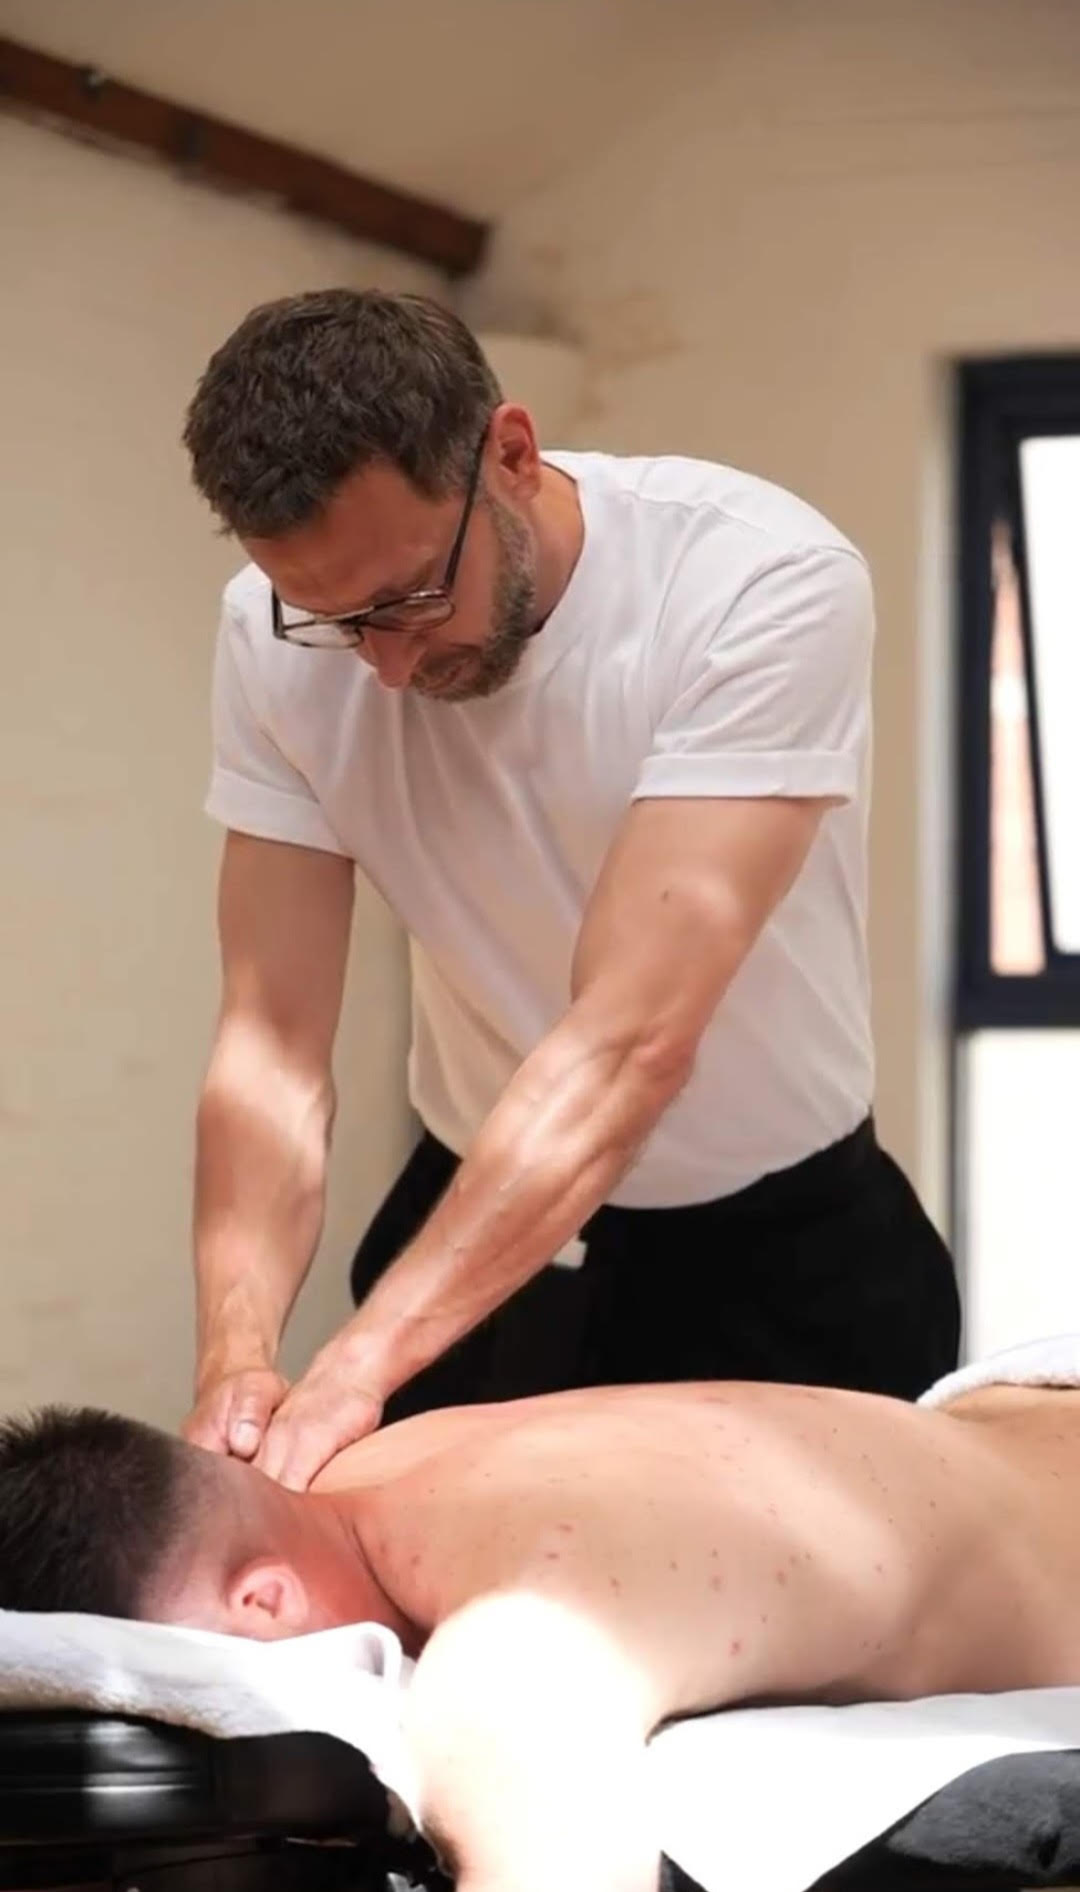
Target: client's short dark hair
(90, 1505)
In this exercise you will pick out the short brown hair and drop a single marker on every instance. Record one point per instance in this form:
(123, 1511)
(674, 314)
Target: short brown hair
(311, 388)
(91, 1506)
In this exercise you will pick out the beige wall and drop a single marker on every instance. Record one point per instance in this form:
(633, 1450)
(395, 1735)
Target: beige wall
(774, 273)
(116, 282)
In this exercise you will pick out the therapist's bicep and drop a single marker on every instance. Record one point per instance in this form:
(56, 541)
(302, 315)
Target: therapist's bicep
(284, 918)
(528, 1727)
(684, 892)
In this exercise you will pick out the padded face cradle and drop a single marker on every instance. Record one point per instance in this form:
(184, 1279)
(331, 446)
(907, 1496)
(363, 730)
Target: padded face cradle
(82, 1775)
(96, 1801)
(138, 1806)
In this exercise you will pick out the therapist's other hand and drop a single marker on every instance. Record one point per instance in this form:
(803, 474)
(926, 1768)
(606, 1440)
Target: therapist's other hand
(233, 1410)
(336, 1403)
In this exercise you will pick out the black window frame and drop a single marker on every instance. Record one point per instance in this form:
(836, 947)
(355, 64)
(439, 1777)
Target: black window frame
(1002, 401)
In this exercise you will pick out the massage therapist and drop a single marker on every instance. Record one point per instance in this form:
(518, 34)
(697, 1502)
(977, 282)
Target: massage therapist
(599, 729)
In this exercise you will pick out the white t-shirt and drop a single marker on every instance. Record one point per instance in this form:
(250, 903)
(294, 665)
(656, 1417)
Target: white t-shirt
(714, 639)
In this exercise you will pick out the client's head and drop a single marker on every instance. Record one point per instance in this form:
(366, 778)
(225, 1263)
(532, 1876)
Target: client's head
(103, 1515)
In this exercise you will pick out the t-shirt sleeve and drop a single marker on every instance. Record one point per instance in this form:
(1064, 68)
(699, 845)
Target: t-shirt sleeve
(253, 786)
(775, 700)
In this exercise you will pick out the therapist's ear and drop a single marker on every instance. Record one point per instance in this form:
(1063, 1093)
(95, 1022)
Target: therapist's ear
(266, 1599)
(513, 458)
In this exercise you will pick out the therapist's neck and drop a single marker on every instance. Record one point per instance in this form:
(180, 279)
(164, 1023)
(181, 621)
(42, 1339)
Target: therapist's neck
(559, 528)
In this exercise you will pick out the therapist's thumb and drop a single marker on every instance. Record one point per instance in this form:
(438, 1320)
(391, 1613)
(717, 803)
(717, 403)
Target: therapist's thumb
(233, 1410)
(255, 1397)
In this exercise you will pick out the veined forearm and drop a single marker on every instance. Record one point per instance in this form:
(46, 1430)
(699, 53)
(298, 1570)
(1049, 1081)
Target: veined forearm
(261, 1145)
(563, 1133)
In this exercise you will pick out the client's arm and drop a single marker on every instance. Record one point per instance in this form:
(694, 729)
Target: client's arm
(529, 1726)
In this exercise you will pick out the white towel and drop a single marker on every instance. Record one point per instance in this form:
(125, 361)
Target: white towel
(1054, 1361)
(346, 1682)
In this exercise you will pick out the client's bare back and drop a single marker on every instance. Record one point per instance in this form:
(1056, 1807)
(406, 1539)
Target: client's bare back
(737, 1541)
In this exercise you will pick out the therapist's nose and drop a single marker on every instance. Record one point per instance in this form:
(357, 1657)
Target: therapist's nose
(393, 655)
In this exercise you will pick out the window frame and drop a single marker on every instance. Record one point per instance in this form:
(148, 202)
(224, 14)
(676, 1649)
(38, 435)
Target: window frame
(1002, 401)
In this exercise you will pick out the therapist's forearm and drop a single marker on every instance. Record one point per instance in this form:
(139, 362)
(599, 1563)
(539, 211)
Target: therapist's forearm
(262, 1138)
(563, 1133)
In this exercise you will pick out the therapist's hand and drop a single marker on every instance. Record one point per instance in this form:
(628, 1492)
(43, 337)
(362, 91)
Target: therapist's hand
(233, 1410)
(337, 1402)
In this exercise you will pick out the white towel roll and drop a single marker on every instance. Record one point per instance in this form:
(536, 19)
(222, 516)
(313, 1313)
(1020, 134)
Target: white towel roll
(1054, 1361)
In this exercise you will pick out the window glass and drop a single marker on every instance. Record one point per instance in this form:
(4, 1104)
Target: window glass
(1016, 925)
(1050, 495)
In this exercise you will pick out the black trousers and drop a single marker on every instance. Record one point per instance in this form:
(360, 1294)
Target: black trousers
(828, 1273)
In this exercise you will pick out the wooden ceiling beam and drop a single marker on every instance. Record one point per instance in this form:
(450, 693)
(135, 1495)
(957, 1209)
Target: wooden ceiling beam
(87, 99)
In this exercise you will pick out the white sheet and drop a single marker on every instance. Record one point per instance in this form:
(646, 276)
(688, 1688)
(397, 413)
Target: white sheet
(769, 1798)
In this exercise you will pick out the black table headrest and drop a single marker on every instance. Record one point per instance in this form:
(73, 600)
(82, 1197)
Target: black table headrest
(84, 1776)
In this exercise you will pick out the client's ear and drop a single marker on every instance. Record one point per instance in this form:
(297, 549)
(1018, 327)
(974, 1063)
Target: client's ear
(266, 1599)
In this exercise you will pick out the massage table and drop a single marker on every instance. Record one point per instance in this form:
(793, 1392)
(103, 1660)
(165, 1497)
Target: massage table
(142, 1806)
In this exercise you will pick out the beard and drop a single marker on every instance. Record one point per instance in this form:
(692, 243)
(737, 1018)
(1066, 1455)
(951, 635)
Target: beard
(457, 676)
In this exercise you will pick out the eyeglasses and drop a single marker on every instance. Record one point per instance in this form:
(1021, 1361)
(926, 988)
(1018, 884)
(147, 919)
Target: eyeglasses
(412, 611)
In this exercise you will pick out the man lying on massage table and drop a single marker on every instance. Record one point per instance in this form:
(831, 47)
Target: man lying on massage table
(577, 1569)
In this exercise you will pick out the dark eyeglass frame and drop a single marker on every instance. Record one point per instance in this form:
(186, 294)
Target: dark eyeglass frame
(437, 601)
